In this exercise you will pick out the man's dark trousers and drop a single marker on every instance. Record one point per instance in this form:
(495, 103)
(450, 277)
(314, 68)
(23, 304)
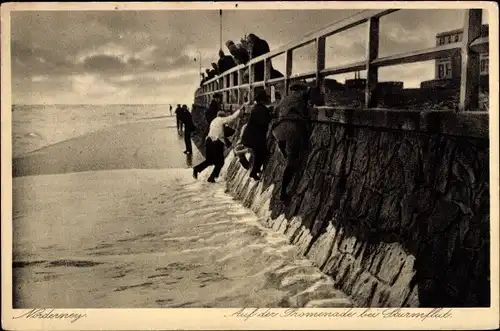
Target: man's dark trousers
(214, 151)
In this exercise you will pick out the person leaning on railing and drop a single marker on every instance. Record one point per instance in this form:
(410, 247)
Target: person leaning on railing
(238, 52)
(225, 62)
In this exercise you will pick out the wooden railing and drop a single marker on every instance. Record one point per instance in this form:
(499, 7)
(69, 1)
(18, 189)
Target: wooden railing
(469, 48)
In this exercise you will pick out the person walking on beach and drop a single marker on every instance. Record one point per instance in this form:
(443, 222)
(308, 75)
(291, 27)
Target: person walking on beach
(214, 144)
(255, 134)
(178, 113)
(170, 110)
(187, 120)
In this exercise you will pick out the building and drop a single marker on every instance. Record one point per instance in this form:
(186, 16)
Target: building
(450, 68)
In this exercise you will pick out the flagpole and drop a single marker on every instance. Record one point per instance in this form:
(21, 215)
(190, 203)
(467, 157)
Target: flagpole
(199, 53)
(220, 19)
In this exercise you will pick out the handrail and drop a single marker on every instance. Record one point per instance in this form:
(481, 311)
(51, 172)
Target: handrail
(332, 29)
(469, 49)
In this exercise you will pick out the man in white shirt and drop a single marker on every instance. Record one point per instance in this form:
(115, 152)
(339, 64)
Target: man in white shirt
(214, 144)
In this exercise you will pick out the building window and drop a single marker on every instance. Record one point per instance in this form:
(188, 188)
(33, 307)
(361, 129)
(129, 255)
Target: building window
(457, 37)
(444, 69)
(484, 64)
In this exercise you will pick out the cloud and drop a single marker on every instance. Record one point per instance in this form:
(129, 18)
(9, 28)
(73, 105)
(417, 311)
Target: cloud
(136, 55)
(103, 62)
(37, 79)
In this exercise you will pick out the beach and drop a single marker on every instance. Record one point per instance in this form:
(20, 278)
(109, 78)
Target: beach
(112, 218)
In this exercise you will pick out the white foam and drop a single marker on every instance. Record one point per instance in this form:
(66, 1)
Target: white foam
(293, 279)
(181, 238)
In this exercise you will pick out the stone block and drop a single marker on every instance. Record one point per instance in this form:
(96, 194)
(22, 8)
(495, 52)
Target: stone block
(293, 227)
(401, 286)
(283, 226)
(303, 242)
(320, 249)
(444, 213)
(263, 209)
(361, 156)
(412, 300)
(348, 285)
(257, 197)
(392, 263)
(343, 269)
(276, 223)
(355, 185)
(443, 172)
(381, 296)
(347, 245)
(339, 159)
(390, 212)
(377, 258)
(364, 289)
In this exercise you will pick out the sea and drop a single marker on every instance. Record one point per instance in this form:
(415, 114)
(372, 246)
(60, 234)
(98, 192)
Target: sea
(37, 126)
(143, 238)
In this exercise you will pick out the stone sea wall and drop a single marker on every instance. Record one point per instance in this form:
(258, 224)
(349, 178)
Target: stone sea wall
(394, 205)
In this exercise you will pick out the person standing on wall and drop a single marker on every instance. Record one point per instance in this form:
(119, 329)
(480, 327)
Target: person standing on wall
(291, 130)
(255, 134)
(189, 128)
(214, 144)
(178, 113)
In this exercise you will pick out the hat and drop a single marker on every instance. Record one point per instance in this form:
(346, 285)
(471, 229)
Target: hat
(261, 96)
(298, 87)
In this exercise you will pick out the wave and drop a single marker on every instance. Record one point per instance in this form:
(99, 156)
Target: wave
(37, 126)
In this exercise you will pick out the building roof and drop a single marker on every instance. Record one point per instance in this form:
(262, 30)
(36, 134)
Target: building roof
(484, 31)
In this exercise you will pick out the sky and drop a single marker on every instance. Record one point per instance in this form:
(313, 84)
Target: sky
(148, 57)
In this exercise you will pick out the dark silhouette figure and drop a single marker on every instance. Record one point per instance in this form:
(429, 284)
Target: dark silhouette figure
(214, 145)
(170, 110)
(210, 74)
(189, 128)
(225, 63)
(215, 68)
(213, 109)
(239, 52)
(255, 134)
(240, 150)
(178, 112)
(291, 130)
(258, 47)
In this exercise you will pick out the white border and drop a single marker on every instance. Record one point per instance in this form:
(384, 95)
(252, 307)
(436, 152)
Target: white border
(195, 319)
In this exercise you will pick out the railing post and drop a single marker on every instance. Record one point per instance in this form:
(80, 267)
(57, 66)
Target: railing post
(289, 66)
(267, 71)
(240, 82)
(371, 54)
(251, 68)
(320, 65)
(469, 80)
